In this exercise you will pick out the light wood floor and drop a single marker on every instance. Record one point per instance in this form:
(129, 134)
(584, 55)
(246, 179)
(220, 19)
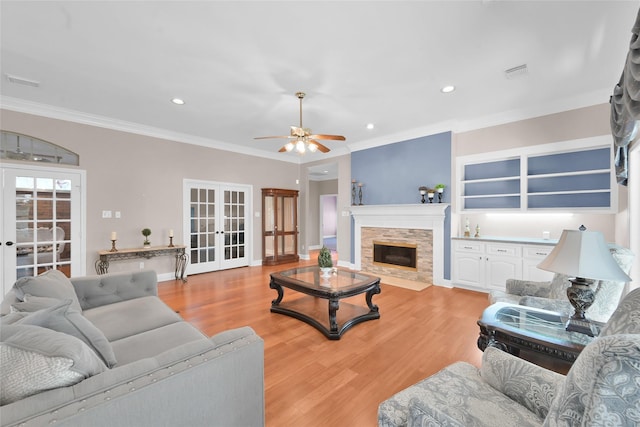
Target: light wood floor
(312, 381)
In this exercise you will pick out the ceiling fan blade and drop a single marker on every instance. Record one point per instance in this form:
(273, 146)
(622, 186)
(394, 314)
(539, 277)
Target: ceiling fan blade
(282, 149)
(273, 137)
(332, 137)
(321, 148)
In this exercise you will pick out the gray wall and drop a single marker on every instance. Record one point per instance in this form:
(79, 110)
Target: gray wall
(143, 177)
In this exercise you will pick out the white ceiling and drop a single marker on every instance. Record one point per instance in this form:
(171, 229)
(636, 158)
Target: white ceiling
(238, 65)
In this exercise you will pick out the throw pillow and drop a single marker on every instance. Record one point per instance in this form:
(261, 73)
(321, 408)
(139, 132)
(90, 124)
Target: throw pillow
(32, 303)
(51, 283)
(36, 359)
(63, 318)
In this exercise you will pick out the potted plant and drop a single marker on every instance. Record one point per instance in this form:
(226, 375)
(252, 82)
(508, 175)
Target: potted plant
(146, 233)
(324, 261)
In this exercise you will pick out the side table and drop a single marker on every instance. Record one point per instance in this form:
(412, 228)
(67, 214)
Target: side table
(513, 328)
(182, 259)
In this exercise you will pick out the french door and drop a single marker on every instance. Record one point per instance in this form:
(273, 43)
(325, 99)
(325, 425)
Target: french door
(42, 222)
(216, 225)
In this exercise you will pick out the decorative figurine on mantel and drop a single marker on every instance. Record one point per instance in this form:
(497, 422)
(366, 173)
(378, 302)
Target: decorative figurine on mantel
(467, 230)
(353, 192)
(360, 193)
(423, 191)
(477, 230)
(146, 233)
(440, 190)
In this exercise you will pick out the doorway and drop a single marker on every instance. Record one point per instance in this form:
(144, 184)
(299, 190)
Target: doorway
(42, 223)
(329, 221)
(216, 221)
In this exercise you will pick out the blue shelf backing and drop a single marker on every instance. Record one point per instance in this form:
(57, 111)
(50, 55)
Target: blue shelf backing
(579, 200)
(504, 202)
(497, 169)
(570, 162)
(492, 187)
(595, 181)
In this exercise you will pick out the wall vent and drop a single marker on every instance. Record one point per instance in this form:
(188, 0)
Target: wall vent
(22, 81)
(516, 72)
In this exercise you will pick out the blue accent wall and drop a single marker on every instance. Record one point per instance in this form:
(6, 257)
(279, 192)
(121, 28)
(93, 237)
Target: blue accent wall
(391, 174)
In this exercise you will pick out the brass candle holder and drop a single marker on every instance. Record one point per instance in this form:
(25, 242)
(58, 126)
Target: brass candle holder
(113, 246)
(171, 242)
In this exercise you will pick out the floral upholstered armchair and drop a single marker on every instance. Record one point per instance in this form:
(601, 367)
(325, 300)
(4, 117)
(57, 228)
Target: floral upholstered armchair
(553, 295)
(601, 388)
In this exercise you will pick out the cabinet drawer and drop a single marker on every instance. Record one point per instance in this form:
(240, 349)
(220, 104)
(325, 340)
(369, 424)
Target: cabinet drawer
(537, 252)
(504, 250)
(467, 246)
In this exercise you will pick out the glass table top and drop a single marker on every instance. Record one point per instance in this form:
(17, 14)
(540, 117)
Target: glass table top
(533, 322)
(339, 280)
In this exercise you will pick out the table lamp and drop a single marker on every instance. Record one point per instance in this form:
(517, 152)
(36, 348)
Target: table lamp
(583, 256)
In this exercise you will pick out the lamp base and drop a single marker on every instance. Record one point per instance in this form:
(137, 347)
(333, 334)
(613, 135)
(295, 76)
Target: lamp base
(581, 297)
(581, 326)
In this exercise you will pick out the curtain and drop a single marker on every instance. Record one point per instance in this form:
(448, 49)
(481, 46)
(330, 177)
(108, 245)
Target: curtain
(625, 106)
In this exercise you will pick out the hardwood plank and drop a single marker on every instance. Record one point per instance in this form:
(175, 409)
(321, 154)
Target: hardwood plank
(313, 381)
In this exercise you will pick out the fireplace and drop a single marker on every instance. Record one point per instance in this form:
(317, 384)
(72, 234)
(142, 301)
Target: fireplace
(420, 225)
(395, 254)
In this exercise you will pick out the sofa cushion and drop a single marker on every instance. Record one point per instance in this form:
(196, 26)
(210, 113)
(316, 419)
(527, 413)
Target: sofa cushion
(455, 396)
(155, 341)
(51, 283)
(35, 359)
(63, 318)
(132, 317)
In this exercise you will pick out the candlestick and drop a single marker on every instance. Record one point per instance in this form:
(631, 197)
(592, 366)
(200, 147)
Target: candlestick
(113, 245)
(171, 241)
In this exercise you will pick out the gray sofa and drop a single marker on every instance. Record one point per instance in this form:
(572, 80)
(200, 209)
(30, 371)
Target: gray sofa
(106, 351)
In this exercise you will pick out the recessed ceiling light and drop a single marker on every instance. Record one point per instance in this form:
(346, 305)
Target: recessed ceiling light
(177, 101)
(370, 126)
(448, 89)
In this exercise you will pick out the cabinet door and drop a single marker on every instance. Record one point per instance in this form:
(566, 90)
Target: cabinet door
(503, 261)
(469, 269)
(499, 269)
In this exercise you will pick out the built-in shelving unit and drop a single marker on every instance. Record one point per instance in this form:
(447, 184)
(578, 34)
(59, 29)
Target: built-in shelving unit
(576, 175)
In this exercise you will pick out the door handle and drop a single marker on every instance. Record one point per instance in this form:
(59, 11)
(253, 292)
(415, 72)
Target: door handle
(9, 243)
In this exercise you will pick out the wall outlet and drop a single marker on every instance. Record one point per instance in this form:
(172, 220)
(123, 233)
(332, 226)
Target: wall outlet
(118, 215)
(141, 265)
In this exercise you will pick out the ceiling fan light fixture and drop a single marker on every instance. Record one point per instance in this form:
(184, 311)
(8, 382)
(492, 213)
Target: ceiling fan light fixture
(312, 147)
(289, 146)
(300, 146)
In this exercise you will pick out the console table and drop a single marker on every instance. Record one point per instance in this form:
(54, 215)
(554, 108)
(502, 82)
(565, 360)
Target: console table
(102, 264)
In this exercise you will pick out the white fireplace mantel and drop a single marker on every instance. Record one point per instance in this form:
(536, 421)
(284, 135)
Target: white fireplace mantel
(428, 216)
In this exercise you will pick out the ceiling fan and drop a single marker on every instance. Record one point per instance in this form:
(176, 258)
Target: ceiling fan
(301, 139)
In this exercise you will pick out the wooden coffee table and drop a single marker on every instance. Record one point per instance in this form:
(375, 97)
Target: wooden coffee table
(338, 285)
(513, 328)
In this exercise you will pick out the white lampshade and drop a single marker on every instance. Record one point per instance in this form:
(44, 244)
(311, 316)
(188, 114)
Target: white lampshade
(583, 254)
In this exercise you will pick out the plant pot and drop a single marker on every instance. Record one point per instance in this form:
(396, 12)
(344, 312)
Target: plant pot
(326, 271)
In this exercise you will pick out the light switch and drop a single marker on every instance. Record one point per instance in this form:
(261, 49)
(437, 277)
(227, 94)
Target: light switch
(117, 214)
(106, 214)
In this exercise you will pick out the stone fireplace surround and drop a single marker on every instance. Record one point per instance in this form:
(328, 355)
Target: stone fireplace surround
(421, 217)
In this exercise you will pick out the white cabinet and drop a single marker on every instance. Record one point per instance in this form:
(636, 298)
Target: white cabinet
(531, 257)
(486, 265)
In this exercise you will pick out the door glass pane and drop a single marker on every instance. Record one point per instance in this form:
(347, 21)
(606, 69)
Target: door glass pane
(203, 223)
(43, 225)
